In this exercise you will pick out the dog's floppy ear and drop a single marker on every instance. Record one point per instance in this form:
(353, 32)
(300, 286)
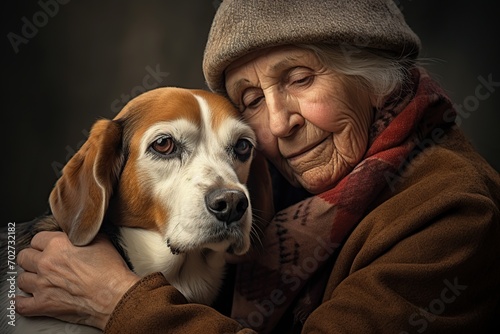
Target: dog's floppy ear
(259, 186)
(261, 192)
(80, 197)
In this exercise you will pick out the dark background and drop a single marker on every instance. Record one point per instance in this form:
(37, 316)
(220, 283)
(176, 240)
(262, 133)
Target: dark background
(87, 56)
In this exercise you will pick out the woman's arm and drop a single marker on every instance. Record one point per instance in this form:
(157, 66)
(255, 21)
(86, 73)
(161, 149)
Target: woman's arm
(92, 285)
(154, 306)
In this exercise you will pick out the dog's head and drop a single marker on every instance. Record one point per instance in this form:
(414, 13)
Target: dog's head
(173, 161)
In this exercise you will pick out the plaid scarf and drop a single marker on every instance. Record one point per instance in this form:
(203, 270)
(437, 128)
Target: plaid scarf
(289, 270)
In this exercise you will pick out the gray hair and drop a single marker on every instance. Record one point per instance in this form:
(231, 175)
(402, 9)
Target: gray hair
(381, 74)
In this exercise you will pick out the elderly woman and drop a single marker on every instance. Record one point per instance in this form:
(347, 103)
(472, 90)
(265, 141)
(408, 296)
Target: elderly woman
(394, 223)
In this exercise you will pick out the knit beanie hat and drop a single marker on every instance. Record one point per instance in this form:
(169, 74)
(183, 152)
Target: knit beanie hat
(242, 26)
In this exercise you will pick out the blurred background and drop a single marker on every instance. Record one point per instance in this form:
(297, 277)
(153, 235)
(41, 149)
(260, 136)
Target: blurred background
(68, 63)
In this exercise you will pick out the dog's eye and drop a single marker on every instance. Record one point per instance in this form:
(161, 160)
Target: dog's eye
(243, 149)
(164, 145)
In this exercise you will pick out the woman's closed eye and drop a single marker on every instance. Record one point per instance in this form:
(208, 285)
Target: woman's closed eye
(252, 98)
(300, 78)
(302, 81)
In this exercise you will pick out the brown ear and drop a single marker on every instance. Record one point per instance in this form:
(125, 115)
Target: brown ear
(80, 197)
(259, 185)
(261, 192)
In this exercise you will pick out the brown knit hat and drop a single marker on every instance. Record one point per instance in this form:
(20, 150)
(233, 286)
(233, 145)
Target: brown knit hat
(243, 26)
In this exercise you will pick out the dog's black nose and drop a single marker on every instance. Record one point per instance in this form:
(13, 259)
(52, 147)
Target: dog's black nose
(228, 205)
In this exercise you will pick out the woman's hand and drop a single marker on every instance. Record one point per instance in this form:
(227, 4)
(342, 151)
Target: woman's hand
(76, 284)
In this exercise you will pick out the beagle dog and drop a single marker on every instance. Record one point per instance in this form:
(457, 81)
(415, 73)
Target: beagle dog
(167, 178)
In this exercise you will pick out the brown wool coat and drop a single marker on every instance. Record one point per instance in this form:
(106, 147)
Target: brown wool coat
(425, 259)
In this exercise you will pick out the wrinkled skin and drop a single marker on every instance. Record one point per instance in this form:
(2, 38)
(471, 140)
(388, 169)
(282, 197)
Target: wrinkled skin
(311, 122)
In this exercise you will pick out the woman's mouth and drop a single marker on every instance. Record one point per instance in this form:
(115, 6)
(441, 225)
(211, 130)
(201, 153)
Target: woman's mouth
(305, 150)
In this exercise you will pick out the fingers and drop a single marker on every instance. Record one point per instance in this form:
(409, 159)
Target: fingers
(27, 306)
(27, 282)
(28, 259)
(42, 239)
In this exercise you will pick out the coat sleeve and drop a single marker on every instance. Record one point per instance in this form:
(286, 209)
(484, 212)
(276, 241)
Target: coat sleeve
(427, 260)
(152, 305)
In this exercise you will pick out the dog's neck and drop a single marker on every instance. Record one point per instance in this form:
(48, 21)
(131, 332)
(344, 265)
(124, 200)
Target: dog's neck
(197, 275)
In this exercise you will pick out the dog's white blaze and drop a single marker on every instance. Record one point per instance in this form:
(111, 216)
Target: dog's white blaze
(206, 114)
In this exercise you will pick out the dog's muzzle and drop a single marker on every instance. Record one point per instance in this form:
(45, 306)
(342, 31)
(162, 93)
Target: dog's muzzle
(227, 205)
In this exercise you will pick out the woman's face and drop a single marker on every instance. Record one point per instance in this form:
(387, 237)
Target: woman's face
(310, 123)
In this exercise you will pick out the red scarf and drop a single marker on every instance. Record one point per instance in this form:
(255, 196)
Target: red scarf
(303, 239)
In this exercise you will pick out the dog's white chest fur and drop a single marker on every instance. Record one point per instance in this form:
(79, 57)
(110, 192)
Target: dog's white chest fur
(197, 275)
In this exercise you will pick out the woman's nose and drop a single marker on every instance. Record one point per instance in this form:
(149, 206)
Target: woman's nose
(284, 115)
